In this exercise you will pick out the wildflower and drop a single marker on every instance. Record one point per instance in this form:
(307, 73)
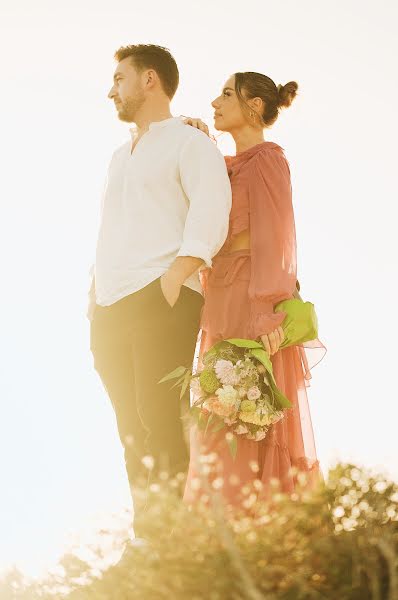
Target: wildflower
(227, 400)
(253, 393)
(208, 381)
(148, 461)
(241, 429)
(195, 386)
(258, 436)
(226, 372)
(222, 409)
(247, 405)
(254, 418)
(208, 403)
(227, 394)
(277, 416)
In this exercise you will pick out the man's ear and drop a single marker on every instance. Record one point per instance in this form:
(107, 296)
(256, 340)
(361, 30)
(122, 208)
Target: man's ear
(150, 77)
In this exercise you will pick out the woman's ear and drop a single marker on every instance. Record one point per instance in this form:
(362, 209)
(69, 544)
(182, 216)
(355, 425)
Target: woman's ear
(256, 104)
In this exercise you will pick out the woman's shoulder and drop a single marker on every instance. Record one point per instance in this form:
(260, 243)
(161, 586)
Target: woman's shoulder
(271, 152)
(264, 154)
(266, 160)
(271, 162)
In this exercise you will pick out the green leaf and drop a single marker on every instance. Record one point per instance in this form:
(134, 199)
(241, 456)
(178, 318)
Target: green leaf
(185, 384)
(217, 426)
(201, 420)
(174, 374)
(178, 382)
(243, 343)
(279, 398)
(209, 420)
(233, 446)
(263, 357)
(217, 347)
(199, 401)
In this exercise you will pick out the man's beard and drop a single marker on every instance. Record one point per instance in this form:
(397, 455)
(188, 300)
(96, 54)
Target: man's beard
(129, 108)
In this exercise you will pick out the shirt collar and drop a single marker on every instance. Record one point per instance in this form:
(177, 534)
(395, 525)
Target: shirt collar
(157, 124)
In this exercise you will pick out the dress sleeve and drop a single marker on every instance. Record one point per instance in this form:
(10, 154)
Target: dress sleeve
(272, 240)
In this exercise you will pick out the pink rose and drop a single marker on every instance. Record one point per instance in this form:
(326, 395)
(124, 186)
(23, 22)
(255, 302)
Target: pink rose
(222, 409)
(253, 393)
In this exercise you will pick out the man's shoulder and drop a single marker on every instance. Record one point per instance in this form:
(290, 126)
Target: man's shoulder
(187, 132)
(191, 137)
(122, 148)
(118, 153)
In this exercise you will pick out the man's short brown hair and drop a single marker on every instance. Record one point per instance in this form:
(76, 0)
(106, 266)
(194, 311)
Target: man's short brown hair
(149, 56)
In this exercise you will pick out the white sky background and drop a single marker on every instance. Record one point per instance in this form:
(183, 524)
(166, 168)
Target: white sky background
(60, 457)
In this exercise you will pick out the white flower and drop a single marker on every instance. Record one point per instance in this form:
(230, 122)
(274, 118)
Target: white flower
(241, 429)
(227, 395)
(226, 373)
(253, 393)
(148, 461)
(277, 416)
(259, 435)
(196, 387)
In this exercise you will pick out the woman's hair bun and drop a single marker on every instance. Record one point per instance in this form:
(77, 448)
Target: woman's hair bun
(287, 93)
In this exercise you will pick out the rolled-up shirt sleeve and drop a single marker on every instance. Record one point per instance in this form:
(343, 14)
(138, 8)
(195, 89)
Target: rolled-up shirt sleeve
(205, 182)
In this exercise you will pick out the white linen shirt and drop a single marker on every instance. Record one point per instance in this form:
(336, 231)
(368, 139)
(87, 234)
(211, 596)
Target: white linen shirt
(170, 197)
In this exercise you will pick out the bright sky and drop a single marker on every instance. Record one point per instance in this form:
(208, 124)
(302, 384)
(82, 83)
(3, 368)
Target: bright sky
(61, 461)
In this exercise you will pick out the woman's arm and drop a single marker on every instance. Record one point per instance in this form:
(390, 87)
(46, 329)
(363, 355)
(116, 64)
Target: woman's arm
(272, 242)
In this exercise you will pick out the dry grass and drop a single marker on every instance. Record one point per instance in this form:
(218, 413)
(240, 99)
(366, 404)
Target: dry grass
(337, 543)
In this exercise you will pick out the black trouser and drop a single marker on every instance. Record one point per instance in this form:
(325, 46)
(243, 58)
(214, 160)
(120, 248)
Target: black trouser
(135, 342)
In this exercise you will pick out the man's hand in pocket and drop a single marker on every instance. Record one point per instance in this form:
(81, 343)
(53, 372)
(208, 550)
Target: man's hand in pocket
(171, 288)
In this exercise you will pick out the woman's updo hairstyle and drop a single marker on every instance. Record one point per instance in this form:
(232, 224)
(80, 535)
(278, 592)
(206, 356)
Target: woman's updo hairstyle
(256, 85)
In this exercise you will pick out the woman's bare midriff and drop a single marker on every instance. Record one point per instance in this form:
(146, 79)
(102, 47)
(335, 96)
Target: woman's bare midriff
(241, 241)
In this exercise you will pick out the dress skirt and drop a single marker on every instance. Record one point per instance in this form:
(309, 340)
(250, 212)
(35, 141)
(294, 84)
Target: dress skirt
(289, 446)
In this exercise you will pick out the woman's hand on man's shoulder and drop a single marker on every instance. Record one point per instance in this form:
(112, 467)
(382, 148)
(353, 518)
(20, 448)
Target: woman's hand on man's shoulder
(197, 123)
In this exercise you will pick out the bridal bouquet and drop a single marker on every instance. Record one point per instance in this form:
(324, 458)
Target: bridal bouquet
(235, 388)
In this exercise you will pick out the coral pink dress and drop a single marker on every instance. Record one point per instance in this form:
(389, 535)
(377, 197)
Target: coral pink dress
(241, 291)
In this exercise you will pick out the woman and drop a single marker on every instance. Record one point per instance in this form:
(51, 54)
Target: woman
(254, 270)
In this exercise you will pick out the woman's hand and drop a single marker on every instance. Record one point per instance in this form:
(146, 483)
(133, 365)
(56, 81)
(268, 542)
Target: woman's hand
(198, 123)
(273, 340)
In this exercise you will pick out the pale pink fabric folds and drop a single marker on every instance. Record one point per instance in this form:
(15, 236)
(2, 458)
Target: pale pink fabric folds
(241, 291)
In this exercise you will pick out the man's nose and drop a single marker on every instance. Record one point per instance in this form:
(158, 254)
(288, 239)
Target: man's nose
(111, 93)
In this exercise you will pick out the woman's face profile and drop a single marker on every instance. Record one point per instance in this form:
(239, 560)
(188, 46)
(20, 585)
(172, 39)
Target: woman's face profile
(228, 114)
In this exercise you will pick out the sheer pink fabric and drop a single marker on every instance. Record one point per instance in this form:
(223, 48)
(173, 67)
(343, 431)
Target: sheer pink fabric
(241, 291)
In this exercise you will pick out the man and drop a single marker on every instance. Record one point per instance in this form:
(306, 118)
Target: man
(165, 214)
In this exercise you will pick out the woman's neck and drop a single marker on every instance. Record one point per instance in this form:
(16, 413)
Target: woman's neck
(245, 138)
